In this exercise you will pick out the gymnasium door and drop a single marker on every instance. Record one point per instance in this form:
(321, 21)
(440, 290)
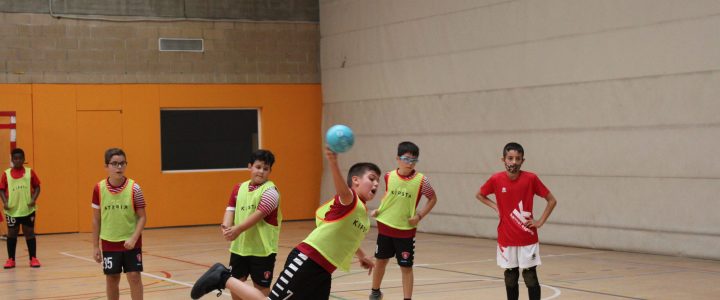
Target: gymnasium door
(97, 131)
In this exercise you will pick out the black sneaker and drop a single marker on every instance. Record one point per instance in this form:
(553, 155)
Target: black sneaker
(375, 295)
(214, 279)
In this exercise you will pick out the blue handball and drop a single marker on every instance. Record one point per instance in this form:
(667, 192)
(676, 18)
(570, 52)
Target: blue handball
(339, 138)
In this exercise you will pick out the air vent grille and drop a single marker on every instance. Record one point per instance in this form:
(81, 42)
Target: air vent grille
(178, 44)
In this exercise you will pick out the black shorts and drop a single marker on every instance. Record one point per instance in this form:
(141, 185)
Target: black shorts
(402, 248)
(259, 268)
(301, 279)
(28, 220)
(115, 262)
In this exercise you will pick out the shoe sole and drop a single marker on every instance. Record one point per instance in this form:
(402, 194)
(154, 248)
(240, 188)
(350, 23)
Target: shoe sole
(204, 277)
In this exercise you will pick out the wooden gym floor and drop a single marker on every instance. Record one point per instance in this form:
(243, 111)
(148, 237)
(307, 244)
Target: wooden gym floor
(447, 267)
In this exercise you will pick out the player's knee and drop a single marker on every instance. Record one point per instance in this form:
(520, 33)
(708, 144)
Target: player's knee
(29, 232)
(112, 279)
(530, 277)
(13, 232)
(511, 276)
(381, 263)
(134, 278)
(404, 269)
(405, 264)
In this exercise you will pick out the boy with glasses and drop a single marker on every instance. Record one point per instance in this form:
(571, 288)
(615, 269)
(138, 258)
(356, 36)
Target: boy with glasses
(397, 218)
(118, 221)
(19, 189)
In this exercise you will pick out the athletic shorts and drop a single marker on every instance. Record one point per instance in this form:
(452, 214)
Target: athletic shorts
(115, 262)
(402, 248)
(301, 279)
(259, 268)
(28, 220)
(518, 256)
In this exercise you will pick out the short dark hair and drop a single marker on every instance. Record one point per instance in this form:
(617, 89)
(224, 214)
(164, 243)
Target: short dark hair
(406, 147)
(264, 156)
(109, 153)
(359, 170)
(513, 146)
(17, 151)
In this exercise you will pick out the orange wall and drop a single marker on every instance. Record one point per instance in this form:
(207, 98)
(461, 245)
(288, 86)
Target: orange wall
(64, 130)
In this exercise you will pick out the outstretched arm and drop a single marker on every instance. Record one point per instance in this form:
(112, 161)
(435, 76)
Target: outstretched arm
(341, 188)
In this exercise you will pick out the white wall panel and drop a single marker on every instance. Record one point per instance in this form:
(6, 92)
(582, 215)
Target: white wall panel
(670, 48)
(501, 24)
(616, 103)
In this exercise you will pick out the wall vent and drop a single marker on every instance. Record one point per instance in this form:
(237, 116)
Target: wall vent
(177, 44)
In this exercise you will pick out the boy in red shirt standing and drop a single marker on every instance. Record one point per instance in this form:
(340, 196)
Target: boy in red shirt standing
(518, 245)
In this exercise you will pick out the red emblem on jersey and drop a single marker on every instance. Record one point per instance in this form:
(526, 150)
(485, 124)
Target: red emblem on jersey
(267, 274)
(139, 257)
(405, 255)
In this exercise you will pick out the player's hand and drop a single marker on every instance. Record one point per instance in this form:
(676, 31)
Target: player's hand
(414, 220)
(331, 156)
(6, 206)
(130, 244)
(31, 203)
(367, 263)
(374, 213)
(97, 255)
(231, 233)
(533, 224)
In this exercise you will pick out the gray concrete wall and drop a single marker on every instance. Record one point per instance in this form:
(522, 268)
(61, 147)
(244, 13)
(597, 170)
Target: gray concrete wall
(283, 10)
(36, 48)
(616, 103)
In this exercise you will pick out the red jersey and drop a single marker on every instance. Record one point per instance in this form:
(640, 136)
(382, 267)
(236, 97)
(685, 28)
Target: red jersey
(514, 199)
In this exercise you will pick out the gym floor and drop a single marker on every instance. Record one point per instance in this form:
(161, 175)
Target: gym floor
(447, 267)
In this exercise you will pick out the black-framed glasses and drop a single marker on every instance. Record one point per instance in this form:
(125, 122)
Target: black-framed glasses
(118, 164)
(409, 160)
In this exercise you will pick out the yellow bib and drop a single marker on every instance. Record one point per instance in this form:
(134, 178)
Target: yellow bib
(262, 238)
(19, 195)
(337, 240)
(398, 204)
(117, 212)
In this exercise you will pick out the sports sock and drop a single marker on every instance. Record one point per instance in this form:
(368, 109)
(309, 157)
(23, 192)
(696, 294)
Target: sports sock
(11, 244)
(511, 283)
(532, 283)
(32, 246)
